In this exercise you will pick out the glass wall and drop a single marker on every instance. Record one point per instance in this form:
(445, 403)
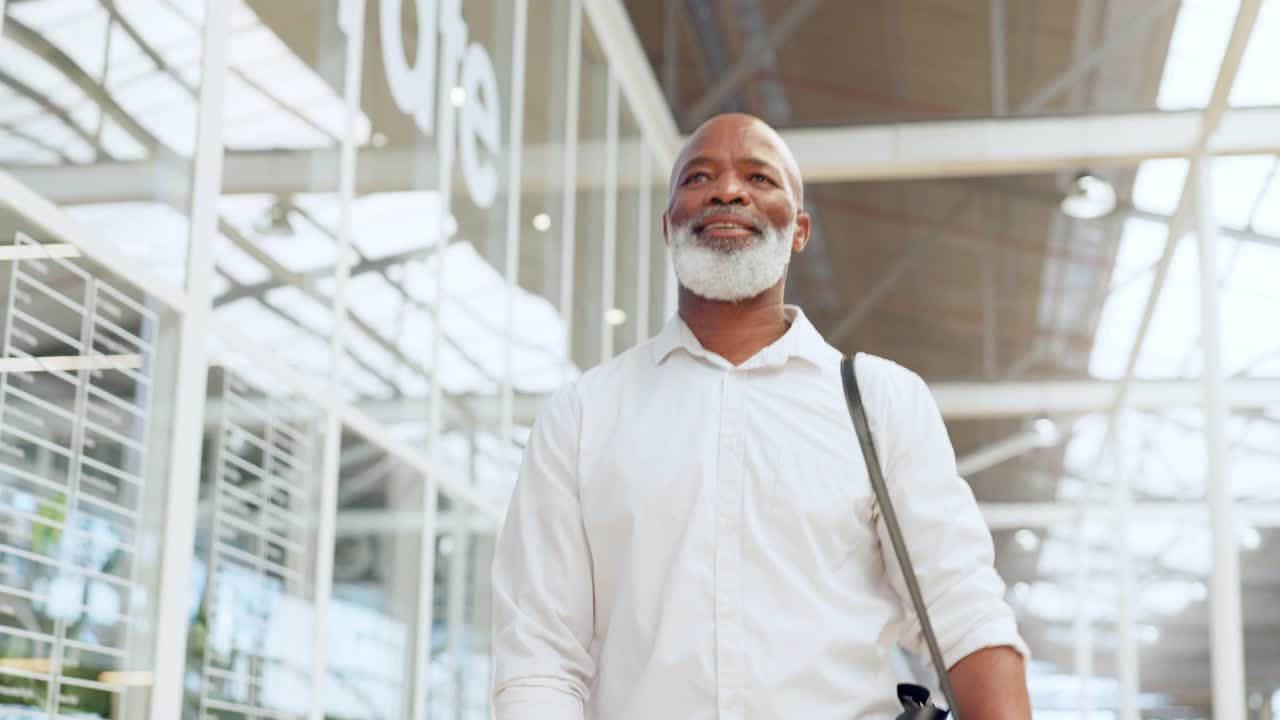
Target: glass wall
(282, 287)
(85, 355)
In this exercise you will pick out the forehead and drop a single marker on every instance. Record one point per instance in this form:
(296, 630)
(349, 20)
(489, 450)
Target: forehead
(732, 142)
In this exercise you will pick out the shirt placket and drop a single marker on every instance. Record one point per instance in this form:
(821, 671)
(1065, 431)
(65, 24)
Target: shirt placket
(729, 485)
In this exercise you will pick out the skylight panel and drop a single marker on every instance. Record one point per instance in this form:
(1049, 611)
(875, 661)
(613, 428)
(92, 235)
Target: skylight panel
(1141, 245)
(370, 352)
(1196, 48)
(218, 284)
(83, 38)
(47, 15)
(302, 307)
(118, 143)
(1237, 183)
(377, 302)
(459, 376)
(146, 230)
(160, 25)
(273, 129)
(190, 10)
(36, 73)
(1267, 220)
(237, 263)
(55, 133)
(15, 107)
(1254, 474)
(1244, 315)
(386, 224)
(299, 246)
(1157, 187)
(162, 106)
(1256, 272)
(15, 150)
(1113, 338)
(1256, 81)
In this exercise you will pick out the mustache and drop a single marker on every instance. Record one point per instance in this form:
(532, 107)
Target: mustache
(740, 213)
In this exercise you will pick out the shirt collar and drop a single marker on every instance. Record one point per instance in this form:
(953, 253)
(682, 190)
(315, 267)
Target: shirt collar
(801, 340)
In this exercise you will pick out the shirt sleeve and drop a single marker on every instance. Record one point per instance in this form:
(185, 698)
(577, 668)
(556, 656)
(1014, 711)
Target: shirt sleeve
(543, 602)
(946, 536)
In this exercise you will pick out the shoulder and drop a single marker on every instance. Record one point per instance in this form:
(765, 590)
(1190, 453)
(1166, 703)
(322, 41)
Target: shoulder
(616, 372)
(600, 383)
(886, 379)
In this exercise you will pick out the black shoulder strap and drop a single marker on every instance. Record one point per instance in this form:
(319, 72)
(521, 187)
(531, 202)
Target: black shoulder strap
(859, 415)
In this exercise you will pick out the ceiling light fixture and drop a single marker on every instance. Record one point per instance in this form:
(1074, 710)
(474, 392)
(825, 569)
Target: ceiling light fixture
(542, 222)
(458, 96)
(1027, 539)
(615, 316)
(1091, 197)
(1046, 432)
(275, 221)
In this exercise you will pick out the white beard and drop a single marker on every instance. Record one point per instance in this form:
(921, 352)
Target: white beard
(730, 275)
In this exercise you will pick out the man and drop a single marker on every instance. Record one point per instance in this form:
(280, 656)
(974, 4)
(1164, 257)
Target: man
(693, 533)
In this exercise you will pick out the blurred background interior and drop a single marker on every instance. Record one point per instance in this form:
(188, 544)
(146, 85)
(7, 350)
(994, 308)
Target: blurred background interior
(282, 285)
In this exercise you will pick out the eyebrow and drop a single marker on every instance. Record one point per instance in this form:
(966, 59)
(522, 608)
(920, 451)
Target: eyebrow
(707, 160)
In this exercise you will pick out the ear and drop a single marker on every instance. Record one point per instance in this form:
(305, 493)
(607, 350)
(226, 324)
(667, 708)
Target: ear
(666, 238)
(801, 238)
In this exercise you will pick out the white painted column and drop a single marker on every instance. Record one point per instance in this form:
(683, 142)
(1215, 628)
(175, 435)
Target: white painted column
(569, 208)
(1083, 621)
(515, 145)
(351, 14)
(1227, 649)
(183, 476)
(1126, 616)
(644, 246)
(451, 37)
(609, 254)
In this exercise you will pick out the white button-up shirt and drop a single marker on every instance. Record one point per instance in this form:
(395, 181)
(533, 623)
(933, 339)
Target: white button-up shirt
(688, 540)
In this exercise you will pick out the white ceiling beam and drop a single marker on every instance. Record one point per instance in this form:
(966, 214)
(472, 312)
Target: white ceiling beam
(956, 400)
(895, 151)
(979, 400)
(993, 454)
(1005, 146)
(1015, 515)
(285, 172)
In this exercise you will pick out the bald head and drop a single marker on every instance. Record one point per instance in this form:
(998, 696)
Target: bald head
(744, 135)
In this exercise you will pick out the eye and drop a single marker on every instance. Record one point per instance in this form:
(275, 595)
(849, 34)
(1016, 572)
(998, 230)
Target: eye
(694, 177)
(760, 177)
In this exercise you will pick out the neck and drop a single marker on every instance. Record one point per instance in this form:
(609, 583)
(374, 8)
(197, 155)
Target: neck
(735, 330)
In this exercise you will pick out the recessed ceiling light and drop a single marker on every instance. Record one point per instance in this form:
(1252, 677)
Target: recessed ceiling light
(1046, 431)
(615, 316)
(1027, 539)
(458, 96)
(1150, 634)
(1250, 538)
(542, 222)
(1090, 198)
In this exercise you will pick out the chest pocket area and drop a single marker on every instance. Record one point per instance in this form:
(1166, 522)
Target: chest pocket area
(826, 495)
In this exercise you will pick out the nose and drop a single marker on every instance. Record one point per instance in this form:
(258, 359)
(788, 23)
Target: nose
(727, 190)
